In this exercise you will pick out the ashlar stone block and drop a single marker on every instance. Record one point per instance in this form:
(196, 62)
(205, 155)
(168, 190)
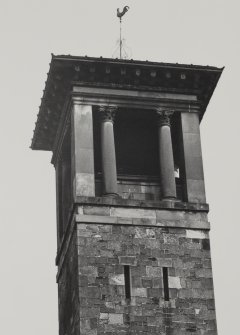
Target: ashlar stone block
(174, 282)
(190, 233)
(116, 279)
(115, 318)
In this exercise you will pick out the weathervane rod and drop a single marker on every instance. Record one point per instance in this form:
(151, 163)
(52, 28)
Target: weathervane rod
(120, 15)
(120, 38)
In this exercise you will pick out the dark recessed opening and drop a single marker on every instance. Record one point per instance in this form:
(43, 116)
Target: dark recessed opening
(137, 147)
(127, 281)
(165, 284)
(136, 143)
(178, 155)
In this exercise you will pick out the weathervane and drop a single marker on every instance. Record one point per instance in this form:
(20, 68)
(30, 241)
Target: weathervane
(120, 15)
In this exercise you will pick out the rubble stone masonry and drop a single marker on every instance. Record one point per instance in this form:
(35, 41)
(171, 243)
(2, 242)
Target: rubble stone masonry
(146, 240)
(68, 292)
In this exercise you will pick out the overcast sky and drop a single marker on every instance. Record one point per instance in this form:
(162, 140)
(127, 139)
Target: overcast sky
(204, 32)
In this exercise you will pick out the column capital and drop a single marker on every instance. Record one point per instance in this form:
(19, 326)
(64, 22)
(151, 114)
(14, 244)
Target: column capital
(164, 116)
(107, 113)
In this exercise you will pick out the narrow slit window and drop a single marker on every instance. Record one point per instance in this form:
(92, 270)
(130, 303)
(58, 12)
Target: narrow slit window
(165, 284)
(127, 281)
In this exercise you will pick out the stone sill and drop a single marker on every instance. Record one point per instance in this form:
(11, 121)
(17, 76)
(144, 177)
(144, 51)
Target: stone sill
(164, 204)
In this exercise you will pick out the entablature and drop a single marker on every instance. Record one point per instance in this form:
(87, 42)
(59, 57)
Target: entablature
(159, 79)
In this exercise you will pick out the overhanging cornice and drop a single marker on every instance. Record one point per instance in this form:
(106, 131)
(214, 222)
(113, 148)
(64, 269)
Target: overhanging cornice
(165, 78)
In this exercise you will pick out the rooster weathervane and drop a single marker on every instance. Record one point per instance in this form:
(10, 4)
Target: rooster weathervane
(120, 15)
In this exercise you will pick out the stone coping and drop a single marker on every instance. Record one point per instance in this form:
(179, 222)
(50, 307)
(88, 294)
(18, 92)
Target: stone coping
(141, 217)
(152, 222)
(163, 204)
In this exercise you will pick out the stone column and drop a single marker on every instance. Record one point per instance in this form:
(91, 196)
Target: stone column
(109, 170)
(166, 155)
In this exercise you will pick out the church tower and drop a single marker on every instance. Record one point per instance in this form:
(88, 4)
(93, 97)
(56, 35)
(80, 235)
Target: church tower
(133, 251)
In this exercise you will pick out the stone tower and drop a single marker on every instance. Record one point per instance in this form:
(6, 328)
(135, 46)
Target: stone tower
(132, 229)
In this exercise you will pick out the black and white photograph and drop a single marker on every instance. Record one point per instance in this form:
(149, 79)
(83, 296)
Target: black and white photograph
(119, 167)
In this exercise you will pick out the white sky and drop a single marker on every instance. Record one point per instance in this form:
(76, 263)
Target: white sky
(204, 32)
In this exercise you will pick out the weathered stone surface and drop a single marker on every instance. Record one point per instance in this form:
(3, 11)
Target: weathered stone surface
(132, 212)
(196, 234)
(142, 217)
(137, 190)
(146, 250)
(174, 282)
(139, 292)
(196, 190)
(93, 210)
(126, 203)
(84, 184)
(82, 151)
(115, 318)
(190, 123)
(116, 279)
(127, 260)
(68, 292)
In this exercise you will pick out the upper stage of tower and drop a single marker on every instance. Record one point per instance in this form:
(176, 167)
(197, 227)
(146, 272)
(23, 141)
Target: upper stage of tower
(67, 71)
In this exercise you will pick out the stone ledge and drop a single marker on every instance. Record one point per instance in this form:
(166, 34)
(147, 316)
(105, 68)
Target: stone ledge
(119, 202)
(153, 222)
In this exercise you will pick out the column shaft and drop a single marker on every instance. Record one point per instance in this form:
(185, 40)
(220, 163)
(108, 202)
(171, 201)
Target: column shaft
(166, 156)
(109, 170)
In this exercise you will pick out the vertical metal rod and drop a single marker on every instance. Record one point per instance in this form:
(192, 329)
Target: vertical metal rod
(120, 38)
